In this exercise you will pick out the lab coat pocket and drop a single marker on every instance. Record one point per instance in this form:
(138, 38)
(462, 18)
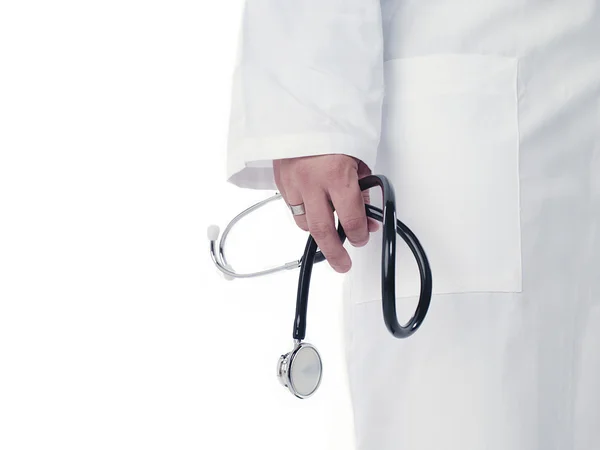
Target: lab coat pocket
(450, 146)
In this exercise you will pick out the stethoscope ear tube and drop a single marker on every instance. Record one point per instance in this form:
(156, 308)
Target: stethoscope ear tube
(391, 227)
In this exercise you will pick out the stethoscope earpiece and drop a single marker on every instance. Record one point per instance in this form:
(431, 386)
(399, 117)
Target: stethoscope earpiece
(301, 370)
(212, 232)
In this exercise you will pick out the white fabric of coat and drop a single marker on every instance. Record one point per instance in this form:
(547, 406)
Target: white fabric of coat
(486, 118)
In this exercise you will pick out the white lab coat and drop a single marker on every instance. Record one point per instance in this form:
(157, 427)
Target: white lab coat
(486, 118)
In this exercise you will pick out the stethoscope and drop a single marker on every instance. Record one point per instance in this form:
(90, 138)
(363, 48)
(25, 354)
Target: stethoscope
(301, 370)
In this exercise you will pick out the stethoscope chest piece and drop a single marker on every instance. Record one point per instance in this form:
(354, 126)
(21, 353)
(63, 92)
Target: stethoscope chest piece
(301, 370)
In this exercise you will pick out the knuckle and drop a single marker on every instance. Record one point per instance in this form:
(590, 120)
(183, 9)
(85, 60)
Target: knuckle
(334, 171)
(355, 224)
(302, 172)
(320, 230)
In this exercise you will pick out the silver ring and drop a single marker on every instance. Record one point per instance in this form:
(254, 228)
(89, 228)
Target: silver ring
(297, 210)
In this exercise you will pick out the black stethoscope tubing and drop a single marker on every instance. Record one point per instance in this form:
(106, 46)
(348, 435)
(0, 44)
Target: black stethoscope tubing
(391, 227)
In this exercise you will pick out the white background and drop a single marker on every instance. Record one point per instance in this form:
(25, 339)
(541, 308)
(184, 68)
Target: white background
(115, 330)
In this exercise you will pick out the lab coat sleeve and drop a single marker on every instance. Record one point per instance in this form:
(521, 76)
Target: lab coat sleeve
(308, 81)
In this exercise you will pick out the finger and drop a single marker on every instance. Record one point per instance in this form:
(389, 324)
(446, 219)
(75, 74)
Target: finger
(300, 220)
(293, 197)
(371, 223)
(363, 171)
(350, 207)
(321, 225)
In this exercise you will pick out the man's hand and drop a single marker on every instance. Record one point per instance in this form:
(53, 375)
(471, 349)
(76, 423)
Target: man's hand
(323, 183)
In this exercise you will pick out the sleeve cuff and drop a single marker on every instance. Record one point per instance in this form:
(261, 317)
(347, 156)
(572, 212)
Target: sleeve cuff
(250, 164)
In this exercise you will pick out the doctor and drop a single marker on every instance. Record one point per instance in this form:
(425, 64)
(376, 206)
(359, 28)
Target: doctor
(486, 118)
